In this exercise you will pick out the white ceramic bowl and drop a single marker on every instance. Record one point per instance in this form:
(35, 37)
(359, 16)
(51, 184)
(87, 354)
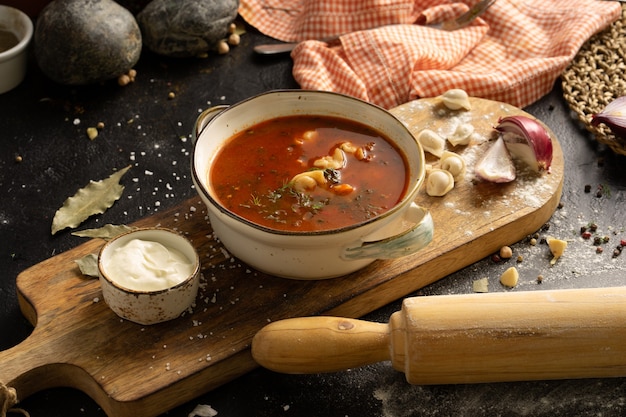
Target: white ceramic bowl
(403, 230)
(13, 61)
(148, 306)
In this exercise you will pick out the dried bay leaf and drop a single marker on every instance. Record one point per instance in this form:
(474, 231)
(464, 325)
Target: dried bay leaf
(95, 198)
(203, 410)
(88, 265)
(106, 232)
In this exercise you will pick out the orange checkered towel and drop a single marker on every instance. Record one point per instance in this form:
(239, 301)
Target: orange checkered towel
(385, 51)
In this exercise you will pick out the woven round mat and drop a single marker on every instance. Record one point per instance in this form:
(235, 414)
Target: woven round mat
(597, 76)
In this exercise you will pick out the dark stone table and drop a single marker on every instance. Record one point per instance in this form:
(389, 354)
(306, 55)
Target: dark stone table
(46, 156)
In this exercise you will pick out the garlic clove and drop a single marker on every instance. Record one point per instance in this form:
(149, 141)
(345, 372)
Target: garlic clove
(496, 164)
(439, 182)
(456, 99)
(528, 140)
(614, 116)
(432, 142)
(462, 134)
(557, 248)
(510, 277)
(453, 163)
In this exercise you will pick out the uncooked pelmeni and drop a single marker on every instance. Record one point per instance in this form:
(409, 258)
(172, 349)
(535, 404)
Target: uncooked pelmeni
(453, 163)
(462, 134)
(432, 142)
(439, 182)
(456, 99)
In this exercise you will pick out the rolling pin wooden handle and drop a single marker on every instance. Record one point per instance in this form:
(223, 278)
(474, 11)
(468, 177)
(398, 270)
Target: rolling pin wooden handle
(320, 344)
(470, 338)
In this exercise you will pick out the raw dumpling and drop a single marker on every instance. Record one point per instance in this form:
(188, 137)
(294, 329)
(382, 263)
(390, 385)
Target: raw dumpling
(453, 163)
(439, 182)
(432, 142)
(456, 99)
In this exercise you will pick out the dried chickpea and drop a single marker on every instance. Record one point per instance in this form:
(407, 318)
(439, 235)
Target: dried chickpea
(222, 47)
(234, 39)
(506, 252)
(123, 80)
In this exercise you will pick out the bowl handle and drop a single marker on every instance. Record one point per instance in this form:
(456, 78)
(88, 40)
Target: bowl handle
(204, 118)
(417, 235)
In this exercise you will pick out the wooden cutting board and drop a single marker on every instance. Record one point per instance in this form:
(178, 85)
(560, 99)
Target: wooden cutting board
(132, 370)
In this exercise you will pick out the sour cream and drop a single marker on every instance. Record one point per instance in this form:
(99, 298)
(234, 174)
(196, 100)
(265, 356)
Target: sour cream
(144, 265)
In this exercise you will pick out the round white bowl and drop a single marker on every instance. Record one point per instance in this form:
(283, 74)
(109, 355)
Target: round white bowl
(403, 230)
(149, 306)
(13, 62)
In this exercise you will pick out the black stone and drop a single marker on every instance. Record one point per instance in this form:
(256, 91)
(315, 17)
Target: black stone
(186, 28)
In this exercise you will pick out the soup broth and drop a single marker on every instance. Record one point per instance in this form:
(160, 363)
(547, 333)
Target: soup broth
(308, 173)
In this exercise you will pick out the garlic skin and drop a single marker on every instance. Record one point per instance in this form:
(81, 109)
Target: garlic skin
(527, 140)
(454, 164)
(461, 135)
(613, 116)
(439, 182)
(456, 99)
(496, 164)
(432, 142)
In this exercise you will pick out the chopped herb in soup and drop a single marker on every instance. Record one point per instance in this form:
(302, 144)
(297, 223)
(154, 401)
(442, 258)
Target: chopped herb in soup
(308, 173)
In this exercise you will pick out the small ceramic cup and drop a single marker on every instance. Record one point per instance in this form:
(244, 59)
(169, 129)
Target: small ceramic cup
(142, 252)
(16, 32)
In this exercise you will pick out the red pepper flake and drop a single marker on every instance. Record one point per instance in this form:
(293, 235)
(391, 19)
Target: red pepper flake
(586, 235)
(622, 242)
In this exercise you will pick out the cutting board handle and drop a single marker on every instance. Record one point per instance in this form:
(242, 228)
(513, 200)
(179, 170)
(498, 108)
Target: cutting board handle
(26, 368)
(320, 344)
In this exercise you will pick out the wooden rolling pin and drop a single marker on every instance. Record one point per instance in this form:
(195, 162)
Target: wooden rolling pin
(535, 335)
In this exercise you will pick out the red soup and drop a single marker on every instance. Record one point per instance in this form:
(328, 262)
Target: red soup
(308, 173)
